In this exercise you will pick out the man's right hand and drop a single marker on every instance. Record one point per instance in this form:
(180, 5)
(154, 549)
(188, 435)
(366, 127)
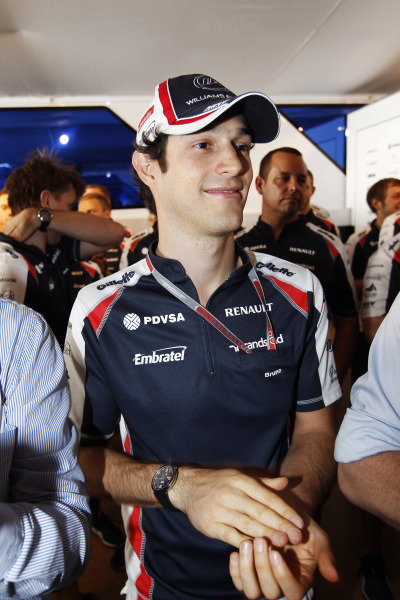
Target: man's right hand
(231, 506)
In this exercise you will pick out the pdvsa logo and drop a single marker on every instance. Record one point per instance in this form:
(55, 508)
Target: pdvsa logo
(161, 355)
(132, 321)
(207, 83)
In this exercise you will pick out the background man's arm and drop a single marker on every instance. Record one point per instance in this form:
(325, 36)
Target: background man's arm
(96, 234)
(309, 464)
(44, 515)
(371, 326)
(368, 446)
(373, 483)
(344, 345)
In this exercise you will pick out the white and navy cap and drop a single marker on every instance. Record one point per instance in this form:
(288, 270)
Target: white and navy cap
(189, 103)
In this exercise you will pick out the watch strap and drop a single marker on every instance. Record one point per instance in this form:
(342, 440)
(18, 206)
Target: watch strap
(164, 500)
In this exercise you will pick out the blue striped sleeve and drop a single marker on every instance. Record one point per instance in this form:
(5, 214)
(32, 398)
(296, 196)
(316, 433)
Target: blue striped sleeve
(44, 514)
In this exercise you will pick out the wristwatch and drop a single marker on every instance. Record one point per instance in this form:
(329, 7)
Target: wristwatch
(163, 480)
(45, 216)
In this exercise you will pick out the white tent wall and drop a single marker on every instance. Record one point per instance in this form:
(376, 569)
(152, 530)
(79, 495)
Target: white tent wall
(373, 152)
(329, 179)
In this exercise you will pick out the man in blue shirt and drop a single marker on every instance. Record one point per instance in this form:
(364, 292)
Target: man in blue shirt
(368, 445)
(44, 513)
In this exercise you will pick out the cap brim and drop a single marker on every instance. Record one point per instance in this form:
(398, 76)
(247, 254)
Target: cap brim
(259, 111)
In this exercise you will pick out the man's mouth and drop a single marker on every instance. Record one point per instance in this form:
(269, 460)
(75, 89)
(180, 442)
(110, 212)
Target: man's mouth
(225, 191)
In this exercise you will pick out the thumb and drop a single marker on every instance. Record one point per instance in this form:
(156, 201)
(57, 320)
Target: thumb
(326, 560)
(275, 483)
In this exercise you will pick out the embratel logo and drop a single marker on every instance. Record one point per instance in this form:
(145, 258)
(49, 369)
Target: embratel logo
(131, 321)
(208, 83)
(161, 355)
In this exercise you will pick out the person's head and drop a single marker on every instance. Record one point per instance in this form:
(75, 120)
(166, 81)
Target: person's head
(383, 198)
(95, 204)
(282, 182)
(44, 180)
(97, 188)
(5, 211)
(192, 148)
(308, 193)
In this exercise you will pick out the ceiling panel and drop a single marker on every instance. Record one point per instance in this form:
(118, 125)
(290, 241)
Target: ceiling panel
(125, 47)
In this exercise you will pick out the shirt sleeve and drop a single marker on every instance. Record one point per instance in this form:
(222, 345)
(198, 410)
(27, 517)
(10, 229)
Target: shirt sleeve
(94, 409)
(15, 275)
(372, 424)
(318, 384)
(376, 283)
(44, 513)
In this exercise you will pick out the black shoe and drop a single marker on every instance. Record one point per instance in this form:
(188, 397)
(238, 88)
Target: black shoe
(117, 560)
(374, 585)
(110, 534)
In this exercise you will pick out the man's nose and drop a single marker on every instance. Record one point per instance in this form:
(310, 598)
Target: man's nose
(230, 160)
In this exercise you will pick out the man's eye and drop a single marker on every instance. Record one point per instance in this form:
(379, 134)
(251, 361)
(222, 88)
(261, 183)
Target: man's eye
(245, 147)
(202, 145)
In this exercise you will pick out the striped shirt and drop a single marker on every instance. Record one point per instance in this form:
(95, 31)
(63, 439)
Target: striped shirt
(44, 514)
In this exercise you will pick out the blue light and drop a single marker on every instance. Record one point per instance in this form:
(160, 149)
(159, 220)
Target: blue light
(64, 139)
(108, 175)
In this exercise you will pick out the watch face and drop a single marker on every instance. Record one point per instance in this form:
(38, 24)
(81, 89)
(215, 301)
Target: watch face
(163, 477)
(45, 214)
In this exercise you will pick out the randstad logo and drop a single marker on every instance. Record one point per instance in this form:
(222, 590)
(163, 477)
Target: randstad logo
(207, 83)
(261, 343)
(161, 355)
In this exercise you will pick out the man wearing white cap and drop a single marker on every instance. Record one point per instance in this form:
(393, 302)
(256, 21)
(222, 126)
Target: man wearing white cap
(214, 359)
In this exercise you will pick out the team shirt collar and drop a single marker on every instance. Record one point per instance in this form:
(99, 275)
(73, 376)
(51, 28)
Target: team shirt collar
(175, 272)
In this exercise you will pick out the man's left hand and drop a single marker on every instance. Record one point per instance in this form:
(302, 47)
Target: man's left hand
(259, 570)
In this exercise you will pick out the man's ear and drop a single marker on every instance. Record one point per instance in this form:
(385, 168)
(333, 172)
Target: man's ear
(259, 183)
(45, 196)
(142, 165)
(377, 204)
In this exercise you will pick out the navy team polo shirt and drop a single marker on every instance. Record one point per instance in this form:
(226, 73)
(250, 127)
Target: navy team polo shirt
(188, 395)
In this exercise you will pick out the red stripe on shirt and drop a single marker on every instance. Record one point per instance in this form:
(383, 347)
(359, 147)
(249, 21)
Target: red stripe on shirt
(144, 582)
(89, 269)
(332, 248)
(299, 297)
(397, 256)
(31, 268)
(96, 316)
(361, 241)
